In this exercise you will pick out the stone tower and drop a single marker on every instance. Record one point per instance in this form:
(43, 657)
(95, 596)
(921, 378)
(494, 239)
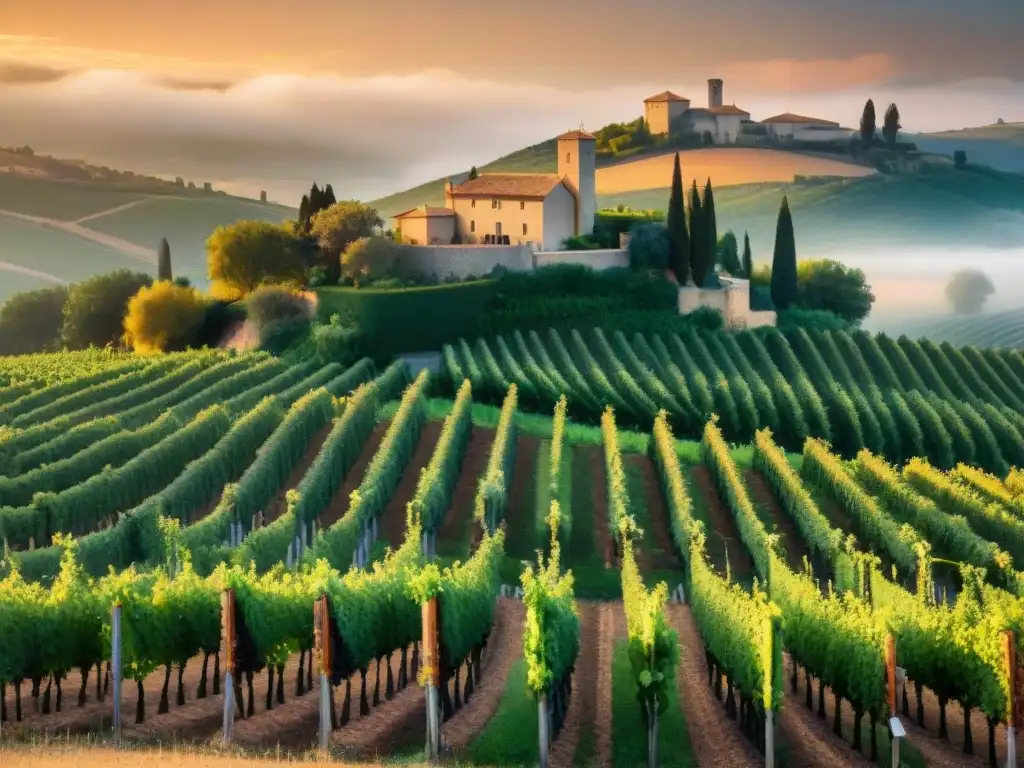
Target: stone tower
(577, 160)
(714, 93)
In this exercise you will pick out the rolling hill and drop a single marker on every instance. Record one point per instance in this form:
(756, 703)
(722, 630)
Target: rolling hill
(990, 329)
(999, 146)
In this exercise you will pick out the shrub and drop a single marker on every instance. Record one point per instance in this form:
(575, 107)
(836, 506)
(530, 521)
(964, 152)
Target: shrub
(163, 317)
(705, 318)
(220, 317)
(581, 243)
(96, 308)
(810, 319)
(270, 304)
(31, 321)
(279, 335)
(368, 258)
(338, 343)
(649, 247)
(247, 254)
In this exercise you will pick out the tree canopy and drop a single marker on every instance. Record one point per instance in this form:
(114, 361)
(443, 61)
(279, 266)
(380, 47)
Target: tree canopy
(163, 317)
(95, 309)
(678, 237)
(650, 247)
(31, 321)
(825, 284)
(728, 254)
(868, 124)
(335, 228)
(968, 290)
(244, 255)
(784, 276)
(163, 261)
(367, 258)
(891, 124)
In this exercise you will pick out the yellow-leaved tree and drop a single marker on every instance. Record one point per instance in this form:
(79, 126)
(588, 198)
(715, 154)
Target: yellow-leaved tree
(163, 317)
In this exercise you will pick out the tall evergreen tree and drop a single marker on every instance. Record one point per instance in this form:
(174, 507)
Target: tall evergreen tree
(316, 200)
(678, 236)
(473, 173)
(784, 287)
(163, 261)
(698, 242)
(748, 258)
(304, 212)
(867, 124)
(710, 230)
(328, 196)
(891, 123)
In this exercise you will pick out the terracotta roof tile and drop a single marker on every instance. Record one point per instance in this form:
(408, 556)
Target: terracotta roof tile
(789, 117)
(424, 212)
(530, 185)
(729, 109)
(571, 135)
(666, 96)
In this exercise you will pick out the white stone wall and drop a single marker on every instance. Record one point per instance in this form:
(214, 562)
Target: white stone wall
(732, 300)
(597, 259)
(461, 260)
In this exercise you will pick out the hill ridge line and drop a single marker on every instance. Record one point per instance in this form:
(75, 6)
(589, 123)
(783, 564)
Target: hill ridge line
(73, 228)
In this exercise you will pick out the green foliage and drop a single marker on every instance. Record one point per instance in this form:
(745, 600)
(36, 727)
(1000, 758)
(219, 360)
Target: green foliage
(96, 308)
(337, 226)
(247, 254)
(811, 319)
(678, 236)
(728, 254)
(163, 317)
(649, 247)
(785, 291)
(828, 285)
(163, 259)
(368, 258)
(867, 124)
(891, 124)
(32, 321)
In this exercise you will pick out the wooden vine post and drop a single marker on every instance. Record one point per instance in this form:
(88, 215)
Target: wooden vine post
(429, 659)
(322, 645)
(890, 673)
(229, 646)
(1016, 677)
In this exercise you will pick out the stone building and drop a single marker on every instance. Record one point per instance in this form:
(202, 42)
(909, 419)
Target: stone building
(668, 113)
(540, 208)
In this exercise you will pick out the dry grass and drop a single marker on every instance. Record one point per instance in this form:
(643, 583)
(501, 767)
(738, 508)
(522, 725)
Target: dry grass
(724, 166)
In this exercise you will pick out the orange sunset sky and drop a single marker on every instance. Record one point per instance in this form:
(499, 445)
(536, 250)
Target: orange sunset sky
(378, 96)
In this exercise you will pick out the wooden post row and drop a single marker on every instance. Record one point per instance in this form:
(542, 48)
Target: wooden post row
(429, 651)
(229, 641)
(322, 633)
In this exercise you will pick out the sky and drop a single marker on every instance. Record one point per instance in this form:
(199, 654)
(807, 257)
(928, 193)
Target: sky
(376, 97)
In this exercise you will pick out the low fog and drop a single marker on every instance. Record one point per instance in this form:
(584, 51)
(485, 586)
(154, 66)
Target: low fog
(373, 136)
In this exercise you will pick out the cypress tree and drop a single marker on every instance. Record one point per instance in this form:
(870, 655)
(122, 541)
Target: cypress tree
(304, 214)
(163, 261)
(678, 237)
(784, 288)
(328, 196)
(748, 259)
(867, 124)
(698, 242)
(710, 229)
(473, 173)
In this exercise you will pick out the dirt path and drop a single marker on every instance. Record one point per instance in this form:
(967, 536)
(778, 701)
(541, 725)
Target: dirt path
(723, 538)
(657, 542)
(593, 458)
(339, 504)
(943, 752)
(809, 739)
(521, 517)
(582, 724)
(716, 740)
(111, 211)
(454, 532)
(146, 255)
(7, 266)
(392, 521)
(502, 651)
(792, 541)
(278, 506)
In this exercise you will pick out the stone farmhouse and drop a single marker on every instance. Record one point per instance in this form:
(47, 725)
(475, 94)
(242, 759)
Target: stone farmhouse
(668, 113)
(541, 209)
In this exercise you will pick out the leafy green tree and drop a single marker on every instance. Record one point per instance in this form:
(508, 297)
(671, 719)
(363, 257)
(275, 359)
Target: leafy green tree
(867, 124)
(163, 317)
(710, 229)
(96, 308)
(891, 124)
(968, 290)
(367, 258)
(828, 285)
(678, 237)
(728, 254)
(473, 173)
(31, 321)
(244, 255)
(650, 247)
(698, 242)
(163, 261)
(748, 258)
(784, 275)
(337, 227)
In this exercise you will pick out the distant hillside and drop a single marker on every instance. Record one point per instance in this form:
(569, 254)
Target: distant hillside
(58, 231)
(997, 146)
(996, 329)
(647, 170)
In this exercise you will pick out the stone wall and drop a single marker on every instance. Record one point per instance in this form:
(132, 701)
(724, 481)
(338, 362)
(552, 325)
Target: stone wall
(598, 259)
(732, 300)
(462, 261)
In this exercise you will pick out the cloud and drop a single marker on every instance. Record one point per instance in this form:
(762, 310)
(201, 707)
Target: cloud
(807, 77)
(372, 136)
(18, 73)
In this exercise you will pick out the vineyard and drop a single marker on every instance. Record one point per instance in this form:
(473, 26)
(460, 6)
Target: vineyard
(700, 550)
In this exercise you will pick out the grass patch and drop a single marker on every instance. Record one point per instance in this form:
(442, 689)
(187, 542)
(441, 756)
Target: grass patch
(629, 733)
(582, 550)
(542, 490)
(511, 737)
